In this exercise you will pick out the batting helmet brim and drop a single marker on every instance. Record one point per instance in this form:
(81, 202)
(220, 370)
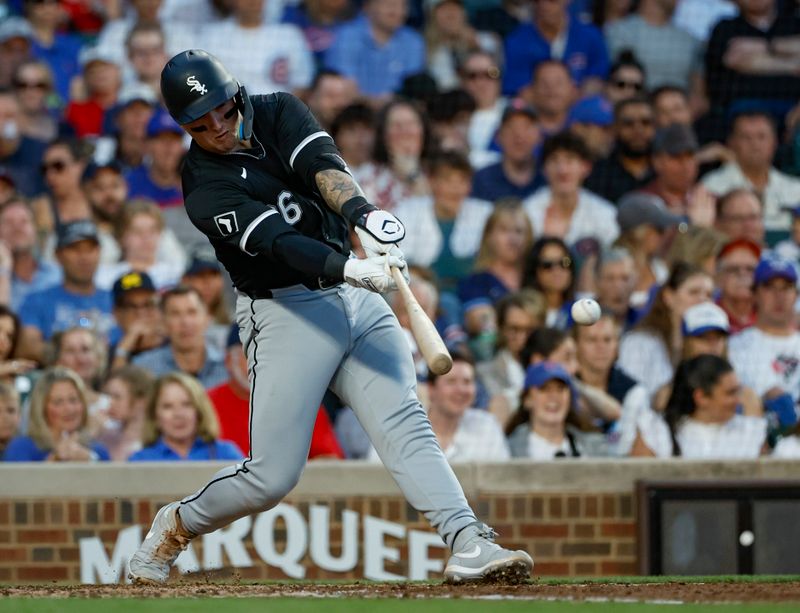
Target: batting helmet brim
(207, 103)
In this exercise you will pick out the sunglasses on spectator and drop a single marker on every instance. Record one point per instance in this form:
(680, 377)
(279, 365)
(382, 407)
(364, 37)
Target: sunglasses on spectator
(43, 85)
(629, 122)
(622, 84)
(58, 166)
(564, 263)
(492, 73)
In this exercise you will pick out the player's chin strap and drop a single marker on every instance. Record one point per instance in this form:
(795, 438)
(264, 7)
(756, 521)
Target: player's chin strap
(246, 109)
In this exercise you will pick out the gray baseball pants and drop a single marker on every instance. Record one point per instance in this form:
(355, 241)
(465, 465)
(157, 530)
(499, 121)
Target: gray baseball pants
(299, 343)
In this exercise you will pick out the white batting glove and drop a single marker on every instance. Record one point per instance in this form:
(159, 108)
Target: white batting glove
(379, 232)
(373, 273)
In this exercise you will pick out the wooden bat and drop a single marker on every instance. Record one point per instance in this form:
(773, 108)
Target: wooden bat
(428, 340)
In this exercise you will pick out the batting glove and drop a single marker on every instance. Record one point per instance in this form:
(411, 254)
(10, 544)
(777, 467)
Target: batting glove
(379, 232)
(373, 273)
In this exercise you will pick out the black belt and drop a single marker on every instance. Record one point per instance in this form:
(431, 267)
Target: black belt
(321, 283)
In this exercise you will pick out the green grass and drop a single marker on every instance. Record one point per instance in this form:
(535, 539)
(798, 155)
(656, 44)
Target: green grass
(309, 605)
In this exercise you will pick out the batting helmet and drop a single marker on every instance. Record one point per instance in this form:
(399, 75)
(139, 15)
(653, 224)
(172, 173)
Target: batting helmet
(194, 82)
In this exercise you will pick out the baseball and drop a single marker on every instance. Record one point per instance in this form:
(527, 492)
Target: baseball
(585, 312)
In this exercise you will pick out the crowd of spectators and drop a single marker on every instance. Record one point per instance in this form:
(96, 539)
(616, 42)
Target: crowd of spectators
(644, 153)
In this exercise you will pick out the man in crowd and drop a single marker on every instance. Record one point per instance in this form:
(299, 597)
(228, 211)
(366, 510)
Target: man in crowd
(139, 322)
(615, 276)
(739, 215)
(129, 125)
(330, 94)
(736, 265)
(185, 320)
(106, 190)
(147, 54)
(592, 119)
(552, 93)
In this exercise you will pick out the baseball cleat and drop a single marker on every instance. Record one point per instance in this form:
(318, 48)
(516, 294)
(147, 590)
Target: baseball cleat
(476, 557)
(162, 545)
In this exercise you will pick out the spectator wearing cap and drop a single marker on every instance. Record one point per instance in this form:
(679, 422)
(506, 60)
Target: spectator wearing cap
(552, 93)
(377, 50)
(29, 272)
(51, 44)
(516, 175)
(736, 265)
(329, 95)
(159, 178)
(101, 81)
(767, 354)
(563, 208)
(77, 301)
(649, 352)
(753, 140)
(186, 320)
(138, 234)
(628, 167)
(20, 155)
(591, 119)
(145, 48)
(643, 222)
(39, 118)
(543, 426)
(554, 35)
(739, 215)
(479, 75)
(231, 401)
(16, 46)
(138, 318)
(205, 274)
(669, 54)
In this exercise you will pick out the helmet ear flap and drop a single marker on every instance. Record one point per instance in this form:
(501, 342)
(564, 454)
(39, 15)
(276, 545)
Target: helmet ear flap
(242, 101)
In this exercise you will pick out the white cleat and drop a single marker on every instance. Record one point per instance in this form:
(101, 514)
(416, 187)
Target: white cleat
(476, 557)
(163, 544)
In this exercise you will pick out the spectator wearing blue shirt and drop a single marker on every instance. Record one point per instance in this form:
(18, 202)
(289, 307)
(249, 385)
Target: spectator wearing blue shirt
(516, 174)
(554, 35)
(20, 156)
(318, 21)
(376, 49)
(180, 424)
(58, 418)
(76, 301)
(186, 321)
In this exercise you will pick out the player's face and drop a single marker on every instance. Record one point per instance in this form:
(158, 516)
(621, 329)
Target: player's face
(176, 415)
(78, 354)
(453, 393)
(64, 408)
(216, 131)
(548, 404)
(596, 345)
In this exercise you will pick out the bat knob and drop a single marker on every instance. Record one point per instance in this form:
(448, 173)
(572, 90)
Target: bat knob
(441, 364)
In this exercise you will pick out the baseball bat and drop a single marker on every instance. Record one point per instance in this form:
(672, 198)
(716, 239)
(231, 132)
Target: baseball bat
(428, 340)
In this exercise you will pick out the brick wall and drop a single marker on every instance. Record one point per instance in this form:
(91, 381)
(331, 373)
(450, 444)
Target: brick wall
(567, 533)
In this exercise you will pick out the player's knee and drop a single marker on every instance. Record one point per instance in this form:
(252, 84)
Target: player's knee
(274, 488)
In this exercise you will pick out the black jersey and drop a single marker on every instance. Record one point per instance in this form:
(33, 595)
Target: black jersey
(243, 201)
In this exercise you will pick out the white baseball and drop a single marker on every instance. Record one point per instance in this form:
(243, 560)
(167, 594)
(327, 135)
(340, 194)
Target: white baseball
(585, 311)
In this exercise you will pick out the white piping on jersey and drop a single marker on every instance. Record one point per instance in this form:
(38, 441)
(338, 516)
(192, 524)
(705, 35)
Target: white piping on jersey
(303, 143)
(249, 230)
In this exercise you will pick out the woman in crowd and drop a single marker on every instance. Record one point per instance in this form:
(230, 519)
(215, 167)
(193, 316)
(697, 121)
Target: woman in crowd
(507, 238)
(120, 427)
(402, 144)
(58, 423)
(83, 352)
(518, 315)
(649, 352)
(551, 270)
(480, 78)
(546, 425)
(33, 84)
(139, 234)
(701, 419)
(626, 77)
(180, 424)
(13, 370)
(9, 415)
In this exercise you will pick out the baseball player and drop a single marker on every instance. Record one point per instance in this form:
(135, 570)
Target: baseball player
(267, 187)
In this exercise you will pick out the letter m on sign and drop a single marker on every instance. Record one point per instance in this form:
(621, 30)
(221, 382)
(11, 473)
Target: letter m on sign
(95, 565)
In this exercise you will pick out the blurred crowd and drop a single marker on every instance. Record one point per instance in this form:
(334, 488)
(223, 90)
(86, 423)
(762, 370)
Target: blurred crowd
(643, 153)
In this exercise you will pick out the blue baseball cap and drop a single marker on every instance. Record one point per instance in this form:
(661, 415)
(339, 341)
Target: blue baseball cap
(774, 267)
(594, 110)
(162, 123)
(542, 372)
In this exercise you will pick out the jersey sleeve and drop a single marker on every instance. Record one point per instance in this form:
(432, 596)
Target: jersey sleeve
(228, 215)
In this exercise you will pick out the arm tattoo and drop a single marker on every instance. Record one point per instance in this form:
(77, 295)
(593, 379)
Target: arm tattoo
(337, 187)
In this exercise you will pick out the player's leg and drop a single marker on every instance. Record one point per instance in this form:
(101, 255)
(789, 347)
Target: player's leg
(294, 343)
(378, 381)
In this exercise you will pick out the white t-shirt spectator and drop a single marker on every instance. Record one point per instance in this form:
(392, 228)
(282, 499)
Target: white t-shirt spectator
(266, 59)
(643, 356)
(782, 191)
(539, 448)
(423, 241)
(482, 127)
(740, 437)
(594, 217)
(698, 17)
(787, 448)
(764, 361)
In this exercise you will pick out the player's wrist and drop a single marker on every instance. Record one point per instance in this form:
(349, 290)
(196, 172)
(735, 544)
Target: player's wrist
(356, 208)
(334, 266)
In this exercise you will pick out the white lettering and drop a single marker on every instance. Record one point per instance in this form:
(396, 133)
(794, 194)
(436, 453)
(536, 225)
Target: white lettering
(319, 520)
(296, 540)
(95, 564)
(375, 550)
(230, 539)
(419, 564)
